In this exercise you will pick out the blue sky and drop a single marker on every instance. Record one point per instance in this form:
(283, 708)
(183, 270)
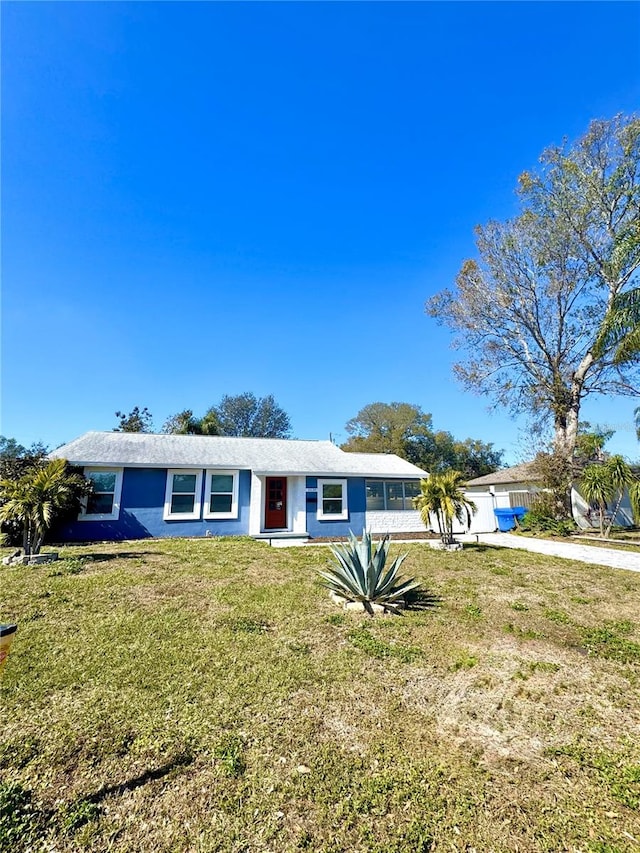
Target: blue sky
(209, 198)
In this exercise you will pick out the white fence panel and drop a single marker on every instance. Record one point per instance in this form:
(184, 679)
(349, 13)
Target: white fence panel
(482, 521)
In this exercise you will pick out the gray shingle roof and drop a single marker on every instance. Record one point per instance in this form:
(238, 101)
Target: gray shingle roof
(524, 473)
(261, 455)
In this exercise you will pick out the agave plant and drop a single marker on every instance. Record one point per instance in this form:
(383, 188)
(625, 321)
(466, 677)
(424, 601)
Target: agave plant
(359, 573)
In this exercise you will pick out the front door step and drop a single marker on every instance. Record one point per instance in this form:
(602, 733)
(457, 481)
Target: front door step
(283, 538)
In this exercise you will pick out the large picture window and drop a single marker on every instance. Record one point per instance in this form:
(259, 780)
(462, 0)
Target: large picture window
(103, 504)
(391, 495)
(221, 494)
(332, 500)
(182, 498)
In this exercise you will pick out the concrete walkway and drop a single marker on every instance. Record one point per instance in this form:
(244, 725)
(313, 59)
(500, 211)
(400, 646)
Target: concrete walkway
(595, 555)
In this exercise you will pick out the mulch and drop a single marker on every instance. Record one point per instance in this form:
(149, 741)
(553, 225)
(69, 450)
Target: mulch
(418, 536)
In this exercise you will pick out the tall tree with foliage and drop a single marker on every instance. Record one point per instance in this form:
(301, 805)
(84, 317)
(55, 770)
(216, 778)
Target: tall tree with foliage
(545, 313)
(407, 431)
(248, 415)
(471, 457)
(400, 428)
(182, 423)
(237, 415)
(137, 420)
(16, 460)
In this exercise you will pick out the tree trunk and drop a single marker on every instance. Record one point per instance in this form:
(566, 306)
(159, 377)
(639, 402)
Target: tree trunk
(566, 432)
(28, 537)
(39, 539)
(567, 416)
(615, 512)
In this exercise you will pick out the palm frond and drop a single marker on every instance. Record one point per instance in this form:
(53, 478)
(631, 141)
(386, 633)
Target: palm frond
(619, 334)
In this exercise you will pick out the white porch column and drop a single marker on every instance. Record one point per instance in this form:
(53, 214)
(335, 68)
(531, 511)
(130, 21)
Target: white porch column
(255, 505)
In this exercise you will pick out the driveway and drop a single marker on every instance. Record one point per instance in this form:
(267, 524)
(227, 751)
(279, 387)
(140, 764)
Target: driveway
(595, 555)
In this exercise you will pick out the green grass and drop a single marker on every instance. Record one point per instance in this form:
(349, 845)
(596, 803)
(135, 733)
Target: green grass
(206, 695)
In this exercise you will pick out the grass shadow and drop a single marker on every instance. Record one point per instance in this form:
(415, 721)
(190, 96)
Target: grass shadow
(122, 555)
(422, 599)
(183, 759)
(481, 547)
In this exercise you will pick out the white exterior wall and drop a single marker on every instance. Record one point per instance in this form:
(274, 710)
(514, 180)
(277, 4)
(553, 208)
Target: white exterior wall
(579, 508)
(297, 504)
(394, 521)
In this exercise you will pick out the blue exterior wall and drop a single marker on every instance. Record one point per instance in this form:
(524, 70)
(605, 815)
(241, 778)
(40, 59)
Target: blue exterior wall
(142, 508)
(357, 506)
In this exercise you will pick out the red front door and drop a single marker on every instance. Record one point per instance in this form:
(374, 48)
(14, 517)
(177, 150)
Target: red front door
(275, 505)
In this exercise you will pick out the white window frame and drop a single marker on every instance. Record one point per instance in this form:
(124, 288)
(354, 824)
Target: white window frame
(214, 472)
(197, 504)
(344, 515)
(114, 515)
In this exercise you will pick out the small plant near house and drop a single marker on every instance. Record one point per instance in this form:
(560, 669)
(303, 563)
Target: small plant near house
(37, 497)
(359, 574)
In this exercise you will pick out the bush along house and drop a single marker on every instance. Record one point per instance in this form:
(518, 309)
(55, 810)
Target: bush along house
(148, 485)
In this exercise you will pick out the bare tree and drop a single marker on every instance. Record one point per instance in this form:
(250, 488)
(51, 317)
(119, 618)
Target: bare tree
(534, 311)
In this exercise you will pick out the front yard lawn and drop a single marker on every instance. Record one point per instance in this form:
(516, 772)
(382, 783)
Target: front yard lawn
(205, 695)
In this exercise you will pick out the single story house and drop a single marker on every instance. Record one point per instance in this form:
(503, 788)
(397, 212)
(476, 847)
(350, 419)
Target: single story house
(517, 486)
(191, 485)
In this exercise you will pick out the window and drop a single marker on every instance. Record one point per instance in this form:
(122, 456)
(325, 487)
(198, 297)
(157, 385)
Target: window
(221, 494)
(182, 498)
(332, 500)
(391, 494)
(375, 495)
(103, 504)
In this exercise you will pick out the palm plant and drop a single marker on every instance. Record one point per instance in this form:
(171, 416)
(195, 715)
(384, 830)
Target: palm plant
(607, 482)
(34, 500)
(596, 488)
(621, 478)
(443, 496)
(359, 573)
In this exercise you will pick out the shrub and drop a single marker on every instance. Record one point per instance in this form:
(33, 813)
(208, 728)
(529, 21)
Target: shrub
(359, 573)
(542, 517)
